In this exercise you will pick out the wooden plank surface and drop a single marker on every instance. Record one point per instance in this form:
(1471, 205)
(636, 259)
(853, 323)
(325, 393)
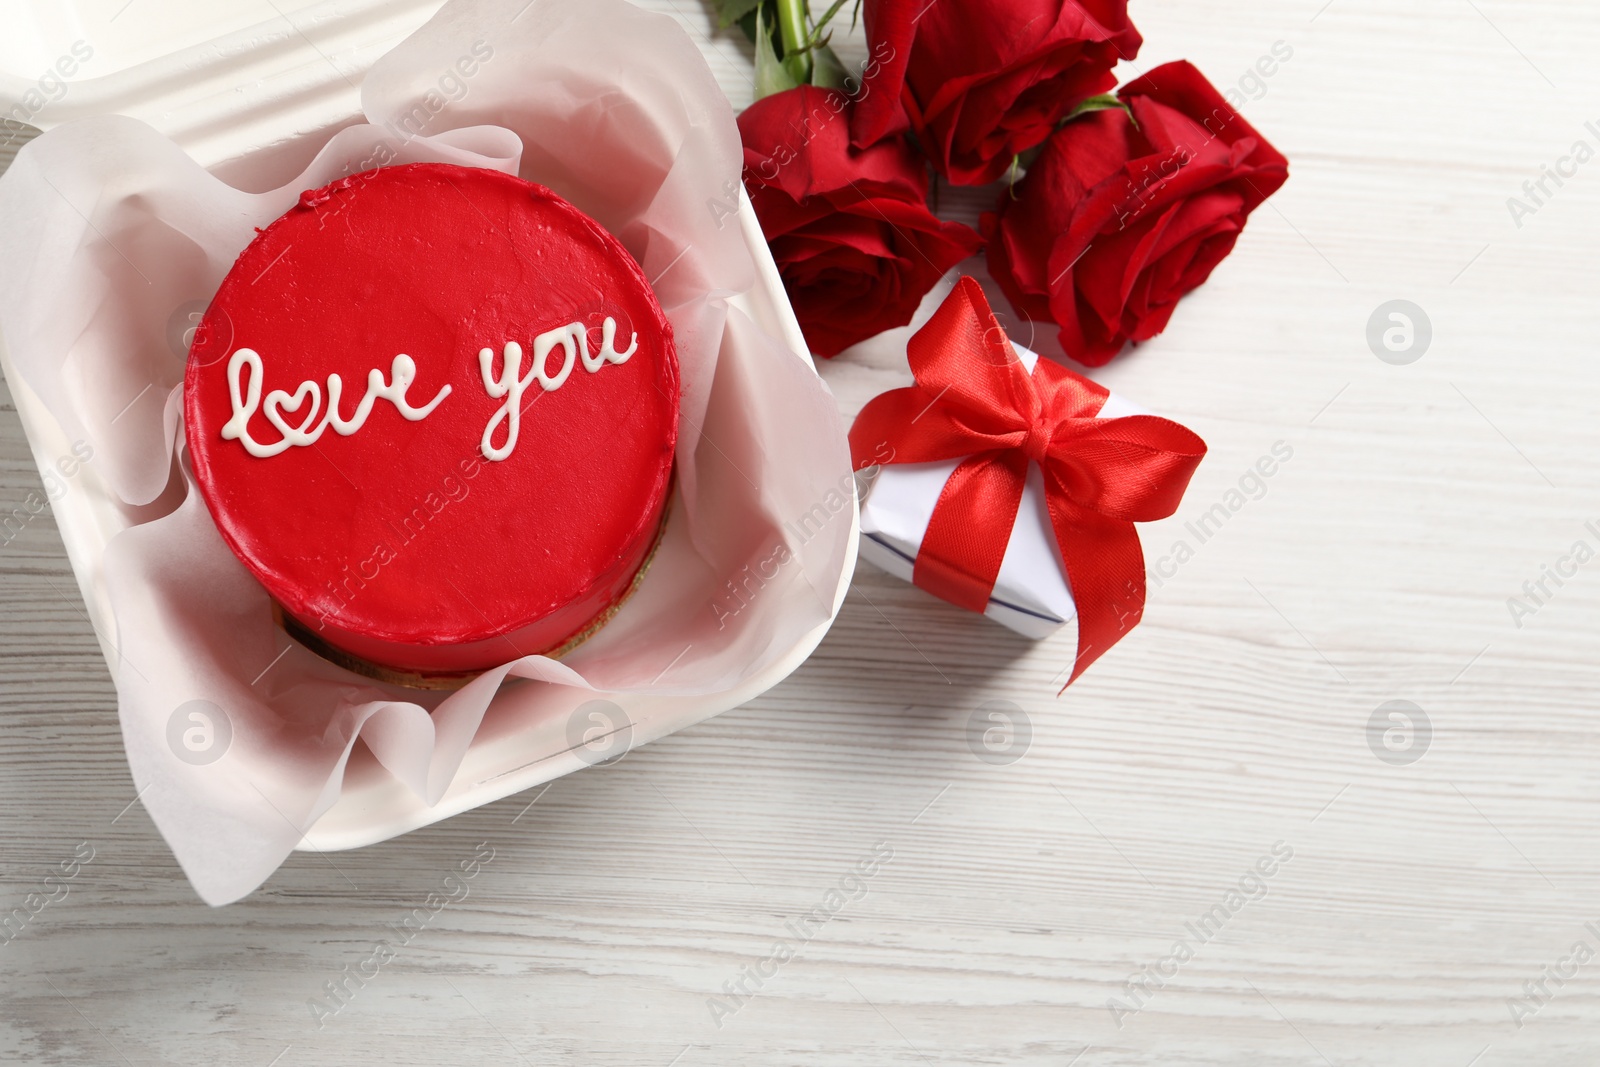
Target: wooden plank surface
(1009, 903)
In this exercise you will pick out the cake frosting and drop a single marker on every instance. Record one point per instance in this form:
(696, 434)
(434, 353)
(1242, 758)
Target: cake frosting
(433, 410)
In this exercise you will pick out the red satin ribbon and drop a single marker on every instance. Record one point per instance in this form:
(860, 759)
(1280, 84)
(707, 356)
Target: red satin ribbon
(973, 398)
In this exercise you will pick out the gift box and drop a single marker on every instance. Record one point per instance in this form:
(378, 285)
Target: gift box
(1008, 485)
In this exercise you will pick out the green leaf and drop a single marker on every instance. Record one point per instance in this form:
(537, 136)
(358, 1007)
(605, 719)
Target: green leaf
(734, 10)
(748, 25)
(1103, 102)
(772, 76)
(827, 72)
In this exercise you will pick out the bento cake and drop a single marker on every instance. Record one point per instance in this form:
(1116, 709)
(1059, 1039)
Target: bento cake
(433, 409)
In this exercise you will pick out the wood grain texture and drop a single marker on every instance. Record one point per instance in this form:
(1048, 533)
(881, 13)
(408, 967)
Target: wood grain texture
(1019, 898)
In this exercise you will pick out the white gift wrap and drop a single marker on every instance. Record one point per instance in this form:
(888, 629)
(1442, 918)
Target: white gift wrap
(1030, 594)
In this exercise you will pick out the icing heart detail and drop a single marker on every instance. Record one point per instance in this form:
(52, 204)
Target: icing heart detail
(278, 401)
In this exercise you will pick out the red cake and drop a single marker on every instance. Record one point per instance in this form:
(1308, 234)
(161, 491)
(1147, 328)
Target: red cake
(433, 410)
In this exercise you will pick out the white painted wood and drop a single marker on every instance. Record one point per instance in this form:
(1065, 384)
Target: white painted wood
(1020, 897)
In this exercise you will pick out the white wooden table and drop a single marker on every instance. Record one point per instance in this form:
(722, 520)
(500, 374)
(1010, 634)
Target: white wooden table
(1011, 902)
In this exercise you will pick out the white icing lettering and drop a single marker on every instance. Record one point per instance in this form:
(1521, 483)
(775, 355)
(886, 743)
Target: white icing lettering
(402, 372)
(573, 340)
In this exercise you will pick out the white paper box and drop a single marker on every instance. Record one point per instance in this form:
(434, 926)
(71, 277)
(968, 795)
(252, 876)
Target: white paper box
(1030, 593)
(251, 104)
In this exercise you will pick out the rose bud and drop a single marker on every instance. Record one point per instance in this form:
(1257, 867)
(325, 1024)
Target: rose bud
(978, 82)
(850, 232)
(1120, 216)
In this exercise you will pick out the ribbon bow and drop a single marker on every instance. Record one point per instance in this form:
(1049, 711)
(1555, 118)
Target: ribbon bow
(974, 398)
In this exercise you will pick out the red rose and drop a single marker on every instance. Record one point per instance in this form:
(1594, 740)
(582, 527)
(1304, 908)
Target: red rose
(1120, 217)
(849, 229)
(980, 82)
